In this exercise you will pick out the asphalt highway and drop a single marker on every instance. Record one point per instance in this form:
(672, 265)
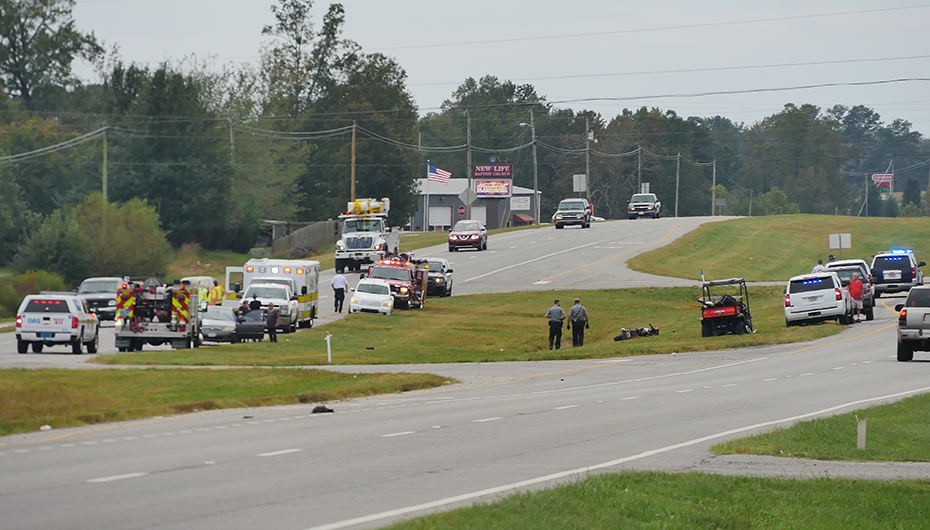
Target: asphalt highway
(507, 427)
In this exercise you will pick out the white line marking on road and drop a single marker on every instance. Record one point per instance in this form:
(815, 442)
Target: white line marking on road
(706, 387)
(685, 390)
(583, 472)
(770, 379)
(729, 385)
(629, 398)
(279, 453)
(807, 374)
(566, 407)
(88, 443)
(66, 445)
(522, 263)
(866, 362)
(513, 246)
(488, 419)
(541, 282)
(116, 477)
(393, 434)
(130, 438)
(491, 251)
(839, 367)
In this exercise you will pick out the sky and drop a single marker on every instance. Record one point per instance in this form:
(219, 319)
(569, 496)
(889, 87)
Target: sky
(740, 59)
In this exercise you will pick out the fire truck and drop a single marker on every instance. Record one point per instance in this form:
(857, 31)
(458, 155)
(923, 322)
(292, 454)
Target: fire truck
(366, 236)
(408, 279)
(148, 312)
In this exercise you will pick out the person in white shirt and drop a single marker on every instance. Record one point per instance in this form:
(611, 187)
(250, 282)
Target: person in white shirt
(339, 284)
(819, 267)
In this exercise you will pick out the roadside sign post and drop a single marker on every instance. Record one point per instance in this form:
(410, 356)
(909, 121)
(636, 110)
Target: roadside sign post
(839, 242)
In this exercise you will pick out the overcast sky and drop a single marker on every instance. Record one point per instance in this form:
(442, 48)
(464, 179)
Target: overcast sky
(570, 52)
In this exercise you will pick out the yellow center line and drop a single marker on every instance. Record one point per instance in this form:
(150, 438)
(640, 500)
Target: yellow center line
(614, 256)
(851, 338)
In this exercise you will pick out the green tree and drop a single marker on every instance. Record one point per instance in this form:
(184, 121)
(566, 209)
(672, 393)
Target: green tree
(911, 210)
(38, 42)
(83, 241)
(911, 192)
(775, 202)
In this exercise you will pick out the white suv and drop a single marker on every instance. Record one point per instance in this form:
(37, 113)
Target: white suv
(816, 297)
(49, 319)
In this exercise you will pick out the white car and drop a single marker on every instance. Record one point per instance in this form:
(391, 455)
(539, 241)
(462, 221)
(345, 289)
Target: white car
(372, 295)
(52, 319)
(817, 297)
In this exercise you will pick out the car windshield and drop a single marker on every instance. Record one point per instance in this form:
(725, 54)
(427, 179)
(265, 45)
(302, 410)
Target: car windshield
(810, 284)
(462, 226)
(571, 205)
(846, 274)
(99, 286)
(386, 273)
(643, 198)
(362, 225)
(219, 313)
(373, 288)
(253, 316)
(918, 298)
(891, 262)
(435, 266)
(265, 291)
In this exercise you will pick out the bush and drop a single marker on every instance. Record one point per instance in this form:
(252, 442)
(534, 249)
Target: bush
(13, 290)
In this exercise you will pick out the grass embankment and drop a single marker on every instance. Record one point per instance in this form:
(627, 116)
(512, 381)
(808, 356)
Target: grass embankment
(897, 432)
(67, 398)
(693, 500)
(775, 248)
(501, 327)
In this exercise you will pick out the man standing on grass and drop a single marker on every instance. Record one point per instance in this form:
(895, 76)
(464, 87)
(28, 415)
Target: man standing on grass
(819, 267)
(556, 315)
(855, 291)
(578, 316)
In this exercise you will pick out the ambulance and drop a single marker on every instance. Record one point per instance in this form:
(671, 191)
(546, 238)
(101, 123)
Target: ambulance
(302, 277)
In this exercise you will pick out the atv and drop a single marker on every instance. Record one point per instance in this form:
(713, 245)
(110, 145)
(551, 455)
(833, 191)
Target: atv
(728, 313)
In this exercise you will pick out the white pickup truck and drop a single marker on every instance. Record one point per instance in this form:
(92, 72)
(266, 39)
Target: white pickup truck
(51, 319)
(281, 296)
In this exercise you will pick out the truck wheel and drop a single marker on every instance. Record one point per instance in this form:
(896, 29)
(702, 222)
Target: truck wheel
(705, 329)
(92, 345)
(341, 264)
(905, 353)
(870, 314)
(21, 345)
(739, 326)
(37, 347)
(76, 346)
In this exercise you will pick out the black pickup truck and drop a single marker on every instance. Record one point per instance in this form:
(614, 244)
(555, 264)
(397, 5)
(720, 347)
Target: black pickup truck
(644, 205)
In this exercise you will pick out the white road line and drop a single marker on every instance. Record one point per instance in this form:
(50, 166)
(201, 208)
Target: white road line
(631, 397)
(807, 374)
(685, 390)
(522, 263)
(488, 419)
(839, 367)
(566, 407)
(405, 433)
(115, 478)
(729, 385)
(541, 282)
(583, 472)
(279, 453)
(770, 379)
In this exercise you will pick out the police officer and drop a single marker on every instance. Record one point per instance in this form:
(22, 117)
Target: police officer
(578, 316)
(556, 315)
(339, 284)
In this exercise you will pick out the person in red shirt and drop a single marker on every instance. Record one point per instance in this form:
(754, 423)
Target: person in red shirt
(855, 291)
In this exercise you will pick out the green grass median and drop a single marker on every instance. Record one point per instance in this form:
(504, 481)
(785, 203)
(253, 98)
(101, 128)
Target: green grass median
(501, 327)
(68, 398)
(646, 500)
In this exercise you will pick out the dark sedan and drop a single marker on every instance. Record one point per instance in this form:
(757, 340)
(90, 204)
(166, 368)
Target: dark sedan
(251, 326)
(218, 324)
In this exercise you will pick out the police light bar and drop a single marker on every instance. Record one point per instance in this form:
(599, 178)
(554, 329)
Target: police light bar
(901, 251)
(810, 282)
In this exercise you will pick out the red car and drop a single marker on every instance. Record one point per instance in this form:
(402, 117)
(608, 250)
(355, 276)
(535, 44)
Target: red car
(468, 233)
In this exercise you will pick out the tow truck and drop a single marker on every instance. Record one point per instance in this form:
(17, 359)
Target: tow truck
(408, 278)
(366, 237)
(148, 312)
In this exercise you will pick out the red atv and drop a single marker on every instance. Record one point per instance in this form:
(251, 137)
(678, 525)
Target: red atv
(727, 313)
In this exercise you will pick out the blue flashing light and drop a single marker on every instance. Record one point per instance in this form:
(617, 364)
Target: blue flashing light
(901, 251)
(812, 282)
(895, 258)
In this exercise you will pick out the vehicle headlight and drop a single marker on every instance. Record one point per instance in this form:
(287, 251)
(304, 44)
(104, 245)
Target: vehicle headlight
(440, 280)
(558, 216)
(353, 301)
(340, 246)
(111, 303)
(403, 290)
(388, 303)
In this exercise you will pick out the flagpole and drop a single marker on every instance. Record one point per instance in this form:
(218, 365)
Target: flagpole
(426, 210)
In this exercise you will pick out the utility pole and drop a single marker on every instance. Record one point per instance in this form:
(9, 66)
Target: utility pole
(713, 191)
(639, 169)
(103, 214)
(232, 143)
(353, 160)
(750, 203)
(587, 160)
(677, 181)
(535, 172)
(468, 158)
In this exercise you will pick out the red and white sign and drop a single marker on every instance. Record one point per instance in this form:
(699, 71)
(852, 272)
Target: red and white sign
(882, 177)
(461, 210)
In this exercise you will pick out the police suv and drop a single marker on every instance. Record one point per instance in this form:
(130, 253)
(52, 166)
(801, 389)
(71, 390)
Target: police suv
(52, 319)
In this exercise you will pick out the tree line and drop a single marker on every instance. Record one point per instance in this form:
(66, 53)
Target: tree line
(210, 150)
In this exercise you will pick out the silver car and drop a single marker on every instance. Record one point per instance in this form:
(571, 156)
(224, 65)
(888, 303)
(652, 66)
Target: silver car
(914, 323)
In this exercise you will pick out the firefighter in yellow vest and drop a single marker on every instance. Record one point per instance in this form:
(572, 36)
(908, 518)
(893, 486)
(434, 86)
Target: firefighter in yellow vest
(217, 294)
(202, 292)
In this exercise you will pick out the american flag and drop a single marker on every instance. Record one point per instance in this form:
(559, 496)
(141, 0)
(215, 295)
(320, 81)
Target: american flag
(439, 175)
